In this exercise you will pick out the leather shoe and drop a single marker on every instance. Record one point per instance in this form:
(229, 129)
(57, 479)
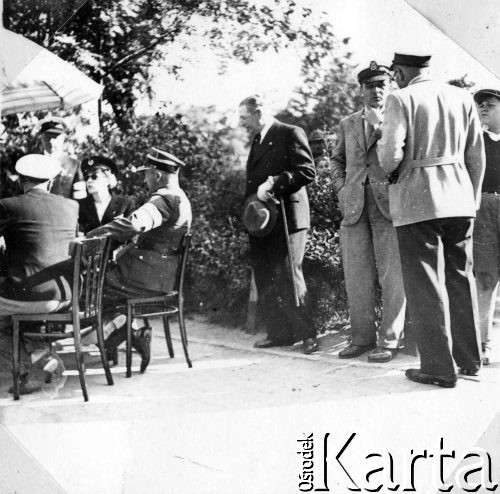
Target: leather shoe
(353, 351)
(468, 372)
(420, 377)
(268, 343)
(141, 342)
(380, 355)
(310, 345)
(25, 386)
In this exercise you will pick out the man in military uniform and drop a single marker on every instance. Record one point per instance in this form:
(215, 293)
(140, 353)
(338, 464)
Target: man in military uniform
(38, 228)
(70, 182)
(368, 239)
(146, 267)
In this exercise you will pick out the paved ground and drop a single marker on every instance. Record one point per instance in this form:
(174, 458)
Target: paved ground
(231, 423)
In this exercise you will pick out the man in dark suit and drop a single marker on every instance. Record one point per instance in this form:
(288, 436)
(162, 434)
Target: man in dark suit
(38, 228)
(280, 165)
(147, 267)
(69, 183)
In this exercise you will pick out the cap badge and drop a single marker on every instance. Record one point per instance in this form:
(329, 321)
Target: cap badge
(373, 65)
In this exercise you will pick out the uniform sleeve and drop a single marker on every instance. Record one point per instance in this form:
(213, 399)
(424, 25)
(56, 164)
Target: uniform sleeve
(150, 215)
(390, 148)
(79, 188)
(339, 160)
(301, 169)
(474, 156)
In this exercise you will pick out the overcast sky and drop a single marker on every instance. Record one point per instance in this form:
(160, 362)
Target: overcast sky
(377, 28)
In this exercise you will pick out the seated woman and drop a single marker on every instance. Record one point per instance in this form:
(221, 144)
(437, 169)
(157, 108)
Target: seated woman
(101, 205)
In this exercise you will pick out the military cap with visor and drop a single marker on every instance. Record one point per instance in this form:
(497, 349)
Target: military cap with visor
(483, 94)
(374, 72)
(419, 61)
(38, 167)
(94, 162)
(160, 160)
(53, 125)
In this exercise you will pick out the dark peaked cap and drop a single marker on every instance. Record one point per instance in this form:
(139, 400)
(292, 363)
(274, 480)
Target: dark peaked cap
(98, 161)
(374, 70)
(54, 125)
(483, 94)
(161, 160)
(411, 60)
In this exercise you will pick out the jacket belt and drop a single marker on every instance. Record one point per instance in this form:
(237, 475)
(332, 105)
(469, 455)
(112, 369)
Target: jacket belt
(439, 160)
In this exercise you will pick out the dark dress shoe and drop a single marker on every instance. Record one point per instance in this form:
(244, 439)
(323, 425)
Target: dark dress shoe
(381, 355)
(420, 377)
(353, 351)
(468, 372)
(310, 345)
(141, 343)
(113, 341)
(268, 343)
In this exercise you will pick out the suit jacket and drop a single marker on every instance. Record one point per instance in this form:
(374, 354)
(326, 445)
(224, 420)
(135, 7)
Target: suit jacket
(432, 136)
(69, 183)
(354, 161)
(88, 219)
(149, 263)
(38, 228)
(285, 152)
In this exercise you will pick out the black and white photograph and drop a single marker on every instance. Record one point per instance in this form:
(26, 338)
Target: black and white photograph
(249, 246)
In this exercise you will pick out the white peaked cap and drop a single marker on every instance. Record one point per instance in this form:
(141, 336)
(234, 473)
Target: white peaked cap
(38, 166)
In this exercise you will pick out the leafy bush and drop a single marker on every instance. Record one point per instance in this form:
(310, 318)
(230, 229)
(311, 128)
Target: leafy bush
(213, 179)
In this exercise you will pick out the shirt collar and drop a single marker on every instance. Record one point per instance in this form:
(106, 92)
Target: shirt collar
(265, 129)
(493, 136)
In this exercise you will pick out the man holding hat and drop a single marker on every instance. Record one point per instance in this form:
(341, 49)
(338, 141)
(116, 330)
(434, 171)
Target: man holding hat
(146, 266)
(487, 228)
(279, 165)
(432, 139)
(69, 183)
(38, 228)
(368, 239)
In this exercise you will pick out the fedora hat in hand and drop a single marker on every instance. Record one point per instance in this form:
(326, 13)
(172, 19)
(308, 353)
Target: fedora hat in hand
(259, 217)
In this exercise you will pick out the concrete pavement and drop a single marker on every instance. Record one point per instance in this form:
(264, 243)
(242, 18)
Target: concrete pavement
(232, 423)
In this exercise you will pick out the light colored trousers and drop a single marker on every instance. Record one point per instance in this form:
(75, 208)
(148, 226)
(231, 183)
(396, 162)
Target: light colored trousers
(8, 307)
(370, 248)
(486, 252)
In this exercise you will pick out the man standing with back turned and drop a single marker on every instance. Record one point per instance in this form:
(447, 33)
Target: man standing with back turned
(280, 165)
(432, 139)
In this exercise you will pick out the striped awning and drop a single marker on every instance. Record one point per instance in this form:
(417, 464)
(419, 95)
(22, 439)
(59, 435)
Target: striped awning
(44, 82)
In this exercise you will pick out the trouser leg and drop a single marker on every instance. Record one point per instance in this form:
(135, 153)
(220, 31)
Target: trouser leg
(358, 261)
(486, 252)
(386, 250)
(461, 288)
(283, 320)
(422, 263)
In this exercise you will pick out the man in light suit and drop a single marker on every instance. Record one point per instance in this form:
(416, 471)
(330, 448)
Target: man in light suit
(368, 239)
(280, 164)
(432, 139)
